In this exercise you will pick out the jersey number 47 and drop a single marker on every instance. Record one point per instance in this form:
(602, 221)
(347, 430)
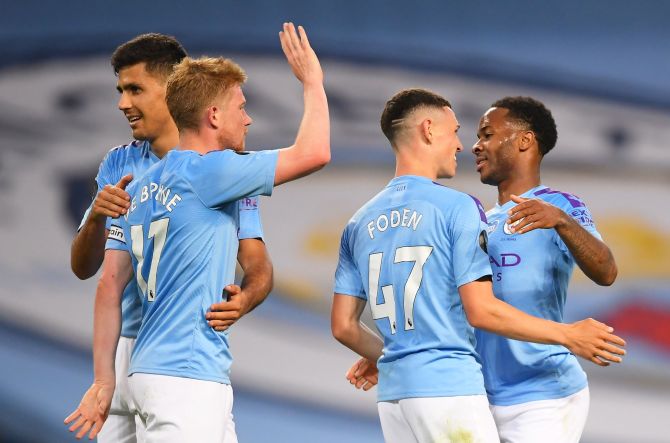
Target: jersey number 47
(417, 254)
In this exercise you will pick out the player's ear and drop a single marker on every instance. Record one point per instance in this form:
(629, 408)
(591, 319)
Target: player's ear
(213, 117)
(426, 130)
(527, 140)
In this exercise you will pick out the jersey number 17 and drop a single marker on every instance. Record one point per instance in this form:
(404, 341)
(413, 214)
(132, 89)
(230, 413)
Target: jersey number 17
(157, 230)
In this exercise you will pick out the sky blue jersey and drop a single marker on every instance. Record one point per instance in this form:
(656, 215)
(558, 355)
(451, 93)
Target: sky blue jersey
(135, 158)
(406, 252)
(531, 271)
(181, 232)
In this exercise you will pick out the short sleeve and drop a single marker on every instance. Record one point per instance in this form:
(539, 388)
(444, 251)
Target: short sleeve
(470, 242)
(347, 276)
(220, 177)
(250, 218)
(577, 209)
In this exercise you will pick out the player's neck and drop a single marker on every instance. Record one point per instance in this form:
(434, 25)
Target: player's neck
(420, 172)
(196, 141)
(168, 140)
(517, 185)
(412, 165)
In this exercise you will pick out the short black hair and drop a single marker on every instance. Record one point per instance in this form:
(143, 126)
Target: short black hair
(160, 53)
(403, 103)
(535, 116)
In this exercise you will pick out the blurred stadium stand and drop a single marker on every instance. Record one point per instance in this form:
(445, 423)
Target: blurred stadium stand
(602, 67)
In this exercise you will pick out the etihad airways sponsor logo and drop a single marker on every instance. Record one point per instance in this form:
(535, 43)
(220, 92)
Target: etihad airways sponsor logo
(505, 260)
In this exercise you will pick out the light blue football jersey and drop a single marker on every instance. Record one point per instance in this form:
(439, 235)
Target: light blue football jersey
(406, 252)
(531, 272)
(135, 158)
(181, 232)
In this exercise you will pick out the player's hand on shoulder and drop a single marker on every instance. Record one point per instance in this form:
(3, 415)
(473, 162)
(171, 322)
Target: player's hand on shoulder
(595, 341)
(534, 213)
(112, 201)
(363, 374)
(93, 410)
(300, 55)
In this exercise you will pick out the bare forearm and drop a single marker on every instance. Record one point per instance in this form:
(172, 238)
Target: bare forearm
(88, 248)
(257, 284)
(360, 339)
(106, 331)
(311, 150)
(347, 328)
(508, 321)
(485, 311)
(116, 274)
(593, 256)
(313, 137)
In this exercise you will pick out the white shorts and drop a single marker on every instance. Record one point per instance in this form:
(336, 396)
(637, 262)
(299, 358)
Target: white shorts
(559, 420)
(122, 425)
(438, 419)
(178, 409)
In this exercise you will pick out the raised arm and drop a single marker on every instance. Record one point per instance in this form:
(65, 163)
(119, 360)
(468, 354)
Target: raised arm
(92, 412)
(591, 254)
(311, 150)
(88, 246)
(255, 287)
(590, 339)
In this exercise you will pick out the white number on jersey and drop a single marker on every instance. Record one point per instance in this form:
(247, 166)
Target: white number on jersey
(417, 254)
(157, 230)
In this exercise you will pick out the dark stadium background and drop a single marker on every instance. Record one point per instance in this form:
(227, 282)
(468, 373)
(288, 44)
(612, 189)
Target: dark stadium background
(602, 67)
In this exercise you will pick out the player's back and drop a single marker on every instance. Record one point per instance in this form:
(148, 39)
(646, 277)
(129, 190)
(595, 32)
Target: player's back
(182, 227)
(414, 244)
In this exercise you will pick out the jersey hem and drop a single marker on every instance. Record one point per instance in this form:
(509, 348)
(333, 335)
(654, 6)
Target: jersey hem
(428, 394)
(535, 396)
(183, 374)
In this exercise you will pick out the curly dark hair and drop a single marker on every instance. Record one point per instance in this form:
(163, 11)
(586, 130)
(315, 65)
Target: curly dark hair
(160, 53)
(533, 115)
(404, 102)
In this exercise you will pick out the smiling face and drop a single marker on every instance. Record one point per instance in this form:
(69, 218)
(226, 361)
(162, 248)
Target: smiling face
(495, 151)
(447, 144)
(142, 102)
(234, 120)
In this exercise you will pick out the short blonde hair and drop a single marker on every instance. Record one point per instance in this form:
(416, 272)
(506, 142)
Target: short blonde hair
(197, 83)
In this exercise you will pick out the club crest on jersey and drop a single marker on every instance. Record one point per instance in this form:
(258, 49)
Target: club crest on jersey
(506, 227)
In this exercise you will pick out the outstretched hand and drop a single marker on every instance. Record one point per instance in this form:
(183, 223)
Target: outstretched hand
(533, 213)
(300, 55)
(363, 374)
(595, 341)
(93, 410)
